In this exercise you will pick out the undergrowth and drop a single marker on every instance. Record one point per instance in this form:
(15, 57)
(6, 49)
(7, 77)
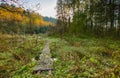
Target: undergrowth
(76, 57)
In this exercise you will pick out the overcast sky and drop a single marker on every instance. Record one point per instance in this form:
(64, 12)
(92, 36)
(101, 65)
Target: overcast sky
(47, 7)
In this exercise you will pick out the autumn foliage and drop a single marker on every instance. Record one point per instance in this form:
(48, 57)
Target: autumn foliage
(16, 19)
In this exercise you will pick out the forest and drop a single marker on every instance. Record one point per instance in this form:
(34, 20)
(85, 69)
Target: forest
(81, 41)
(98, 17)
(17, 20)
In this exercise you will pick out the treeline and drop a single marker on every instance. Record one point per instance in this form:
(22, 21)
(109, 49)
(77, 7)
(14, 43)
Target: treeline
(17, 20)
(97, 17)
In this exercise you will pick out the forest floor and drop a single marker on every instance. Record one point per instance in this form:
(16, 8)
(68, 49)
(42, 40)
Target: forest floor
(75, 57)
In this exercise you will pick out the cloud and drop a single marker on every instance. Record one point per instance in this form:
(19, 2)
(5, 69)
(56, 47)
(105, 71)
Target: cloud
(48, 8)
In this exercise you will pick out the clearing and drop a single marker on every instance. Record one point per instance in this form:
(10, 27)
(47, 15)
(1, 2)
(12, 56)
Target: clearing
(74, 57)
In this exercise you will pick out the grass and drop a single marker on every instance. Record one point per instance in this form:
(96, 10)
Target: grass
(77, 57)
(87, 58)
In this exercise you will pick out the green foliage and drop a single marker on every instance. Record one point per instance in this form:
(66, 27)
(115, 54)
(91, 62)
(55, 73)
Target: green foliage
(42, 29)
(78, 24)
(75, 57)
(99, 18)
(17, 61)
(84, 57)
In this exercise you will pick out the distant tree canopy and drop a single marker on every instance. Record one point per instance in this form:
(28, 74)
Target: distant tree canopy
(100, 17)
(17, 20)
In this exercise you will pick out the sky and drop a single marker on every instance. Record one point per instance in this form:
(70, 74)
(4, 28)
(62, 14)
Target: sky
(47, 7)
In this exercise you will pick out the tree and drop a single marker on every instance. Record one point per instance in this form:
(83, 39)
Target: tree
(100, 17)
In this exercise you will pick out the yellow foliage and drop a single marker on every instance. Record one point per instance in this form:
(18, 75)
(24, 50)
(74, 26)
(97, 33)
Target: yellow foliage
(17, 17)
(16, 14)
(20, 10)
(37, 22)
(25, 21)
